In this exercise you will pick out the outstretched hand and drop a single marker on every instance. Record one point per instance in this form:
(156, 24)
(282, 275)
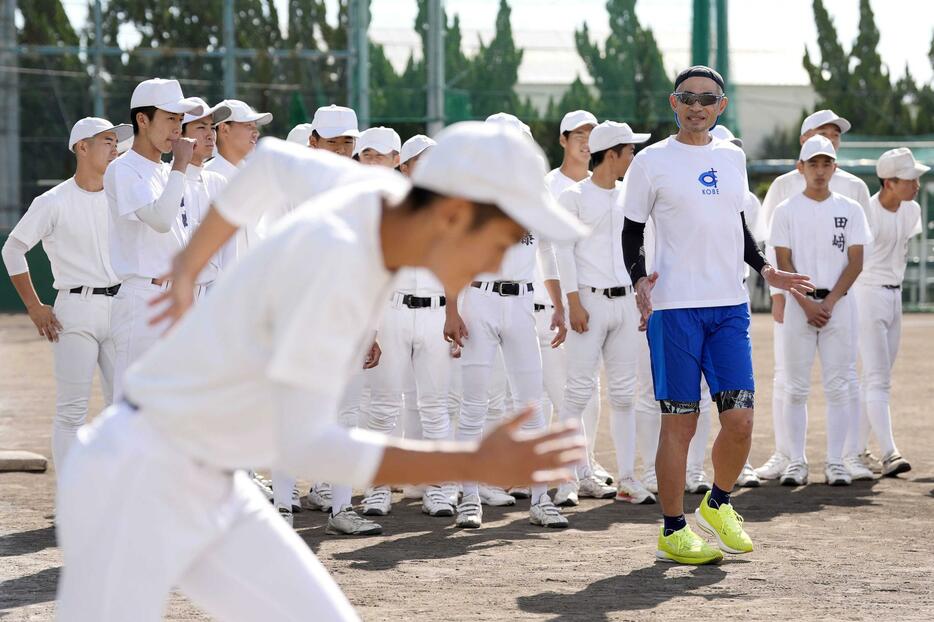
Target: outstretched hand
(789, 281)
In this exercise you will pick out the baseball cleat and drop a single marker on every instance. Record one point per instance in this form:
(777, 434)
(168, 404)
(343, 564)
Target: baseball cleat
(837, 475)
(566, 495)
(871, 462)
(649, 480)
(452, 491)
(594, 488)
(685, 547)
(748, 478)
(856, 469)
(377, 501)
(469, 513)
(631, 490)
(519, 492)
(436, 503)
(773, 467)
(696, 482)
(893, 464)
(263, 484)
(318, 498)
(495, 496)
(286, 515)
(349, 523)
(725, 525)
(795, 474)
(601, 473)
(296, 500)
(546, 514)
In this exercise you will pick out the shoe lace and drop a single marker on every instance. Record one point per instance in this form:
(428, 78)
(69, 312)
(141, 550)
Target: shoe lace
(730, 519)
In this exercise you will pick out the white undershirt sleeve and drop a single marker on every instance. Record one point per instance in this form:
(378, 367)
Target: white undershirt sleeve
(564, 252)
(14, 256)
(546, 260)
(161, 213)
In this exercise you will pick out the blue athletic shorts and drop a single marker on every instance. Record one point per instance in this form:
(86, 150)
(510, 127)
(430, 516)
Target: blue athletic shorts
(711, 340)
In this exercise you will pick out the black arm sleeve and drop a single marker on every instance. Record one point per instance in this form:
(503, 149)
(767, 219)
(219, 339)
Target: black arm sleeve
(751, 253)
(633, 249)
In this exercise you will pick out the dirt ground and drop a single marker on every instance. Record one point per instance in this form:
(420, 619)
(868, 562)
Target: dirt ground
(858, 553)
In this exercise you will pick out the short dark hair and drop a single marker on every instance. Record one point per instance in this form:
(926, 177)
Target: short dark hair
(881, 182)
(566, 133)
(419, 198)
(596, 159)
(149, 111)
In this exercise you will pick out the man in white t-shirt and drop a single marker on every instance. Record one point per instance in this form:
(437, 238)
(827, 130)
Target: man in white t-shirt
(822, 233)
(695, 306)
(831, 126)
(149, 222)
(894, 218)
(601, 309)
(153, 483)
(71, 222)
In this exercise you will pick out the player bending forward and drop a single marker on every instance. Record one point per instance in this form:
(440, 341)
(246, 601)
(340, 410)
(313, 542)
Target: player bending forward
(152, 499)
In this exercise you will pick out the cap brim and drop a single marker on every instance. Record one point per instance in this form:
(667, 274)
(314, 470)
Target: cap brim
(737, 141)
(638, 139)
(263, 118)
(330, 132)
(124, 131)
(919, 170)
(409, 156)
(183, 106)
(843, 124)
(220, 114)
(545, 218)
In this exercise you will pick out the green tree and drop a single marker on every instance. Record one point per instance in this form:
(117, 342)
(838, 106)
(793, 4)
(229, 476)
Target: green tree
(496, 71)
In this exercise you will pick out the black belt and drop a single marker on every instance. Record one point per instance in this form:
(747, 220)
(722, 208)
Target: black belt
(820, 294)
(539, 307)
(612, 292)
(102, 291)
(892, 286)
(505, 288)
(412, 302)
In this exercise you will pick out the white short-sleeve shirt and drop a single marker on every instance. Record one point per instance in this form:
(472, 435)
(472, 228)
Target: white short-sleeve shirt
(201, 187)
(819, 234)
(136, 249)
(885, 258)
(694, 195)
(557, 182)
(72, 225)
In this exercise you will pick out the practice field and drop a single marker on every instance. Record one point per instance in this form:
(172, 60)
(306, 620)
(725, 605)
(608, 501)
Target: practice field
(858, 553)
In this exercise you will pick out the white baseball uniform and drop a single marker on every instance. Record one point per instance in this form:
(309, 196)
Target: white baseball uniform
(72, 225)
(819, 235)
(784, 187)
(879, 296)
(244, 237)
(252, 376)
(200, 187)
(594, 268)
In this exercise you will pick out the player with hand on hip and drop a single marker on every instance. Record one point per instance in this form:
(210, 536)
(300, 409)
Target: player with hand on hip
(695, 307)
(894, 218)
(601, 309)
(823, 233)
(71, 221)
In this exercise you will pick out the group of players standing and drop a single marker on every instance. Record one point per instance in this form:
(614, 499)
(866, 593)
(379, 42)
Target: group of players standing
(449, 364)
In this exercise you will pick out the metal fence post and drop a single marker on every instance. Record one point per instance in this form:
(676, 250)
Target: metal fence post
(435, 61)
(230, 51)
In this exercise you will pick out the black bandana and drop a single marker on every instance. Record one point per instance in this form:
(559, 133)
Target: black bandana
(699, 71)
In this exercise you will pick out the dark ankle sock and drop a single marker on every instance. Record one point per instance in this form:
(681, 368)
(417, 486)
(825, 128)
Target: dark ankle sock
(718, 497)
(673, 524)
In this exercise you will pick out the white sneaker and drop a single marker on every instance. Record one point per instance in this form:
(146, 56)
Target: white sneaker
(318, 498)
(856, 468)
(469, 513)
(436, 503)
(296, 500)
(837, 475)
(520, 492)
(696, 482)
(649, 480)
(452, 491)
(594, 488)
(286, 515)
(264, 486)
(546, 514)
(349, 523)
(773, 467)
(893, 464)
(495, 496)
(631, 490)
(377, 501)
(871, 462)
(566, 495)
(600, 472)
(748, 478)
(795, 474)
(410, 491)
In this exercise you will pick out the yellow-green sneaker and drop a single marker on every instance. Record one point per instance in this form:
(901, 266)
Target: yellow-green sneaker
(725, 525)
(686, 547)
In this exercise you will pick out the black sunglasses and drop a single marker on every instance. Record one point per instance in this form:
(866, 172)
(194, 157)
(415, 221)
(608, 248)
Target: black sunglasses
(706, 99)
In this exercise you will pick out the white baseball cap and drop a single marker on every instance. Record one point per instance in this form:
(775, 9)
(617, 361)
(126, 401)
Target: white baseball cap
(414, 146)
(333, 121)
(815, 146)
(496, 163)
(89, 127)
(164, 95)
(899, 164)
(610, 133)
(300, 134)
(504, 118)
(823, 117)
(241, 112)
(576, 119)
(384, 140)
(721, 132)
(219, 113)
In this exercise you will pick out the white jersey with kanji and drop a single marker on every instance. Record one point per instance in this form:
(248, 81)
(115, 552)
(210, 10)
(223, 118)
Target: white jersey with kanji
(886, 257)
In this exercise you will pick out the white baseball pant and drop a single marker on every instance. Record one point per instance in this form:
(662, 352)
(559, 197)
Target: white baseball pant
(499, 391)
(779, 425)
(136, 518)
(832, 342)
(613, 332)
(880, 330)
(851, 446)
(84, 343)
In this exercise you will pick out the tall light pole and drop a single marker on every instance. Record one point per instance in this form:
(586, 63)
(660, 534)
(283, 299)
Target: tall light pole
(435, 62)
